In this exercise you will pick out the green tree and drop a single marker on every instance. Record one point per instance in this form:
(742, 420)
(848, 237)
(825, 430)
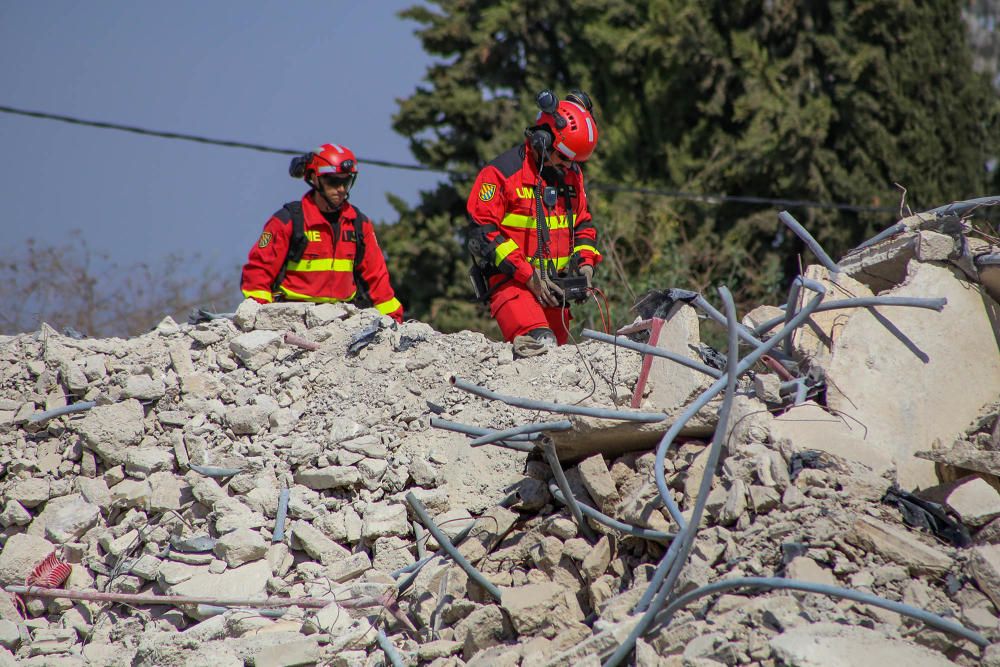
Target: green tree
(829, 102)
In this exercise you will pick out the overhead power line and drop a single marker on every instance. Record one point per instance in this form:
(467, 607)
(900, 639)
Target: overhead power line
(714, 199)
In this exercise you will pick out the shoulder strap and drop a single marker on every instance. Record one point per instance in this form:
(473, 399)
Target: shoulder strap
(297, 242)
(291, 212)
(363, 297)
(359, 233)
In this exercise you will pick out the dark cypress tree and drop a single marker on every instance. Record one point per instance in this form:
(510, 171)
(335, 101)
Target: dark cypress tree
(829, 102)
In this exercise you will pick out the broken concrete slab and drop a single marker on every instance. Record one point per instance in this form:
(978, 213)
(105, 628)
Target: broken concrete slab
(974, 500)
(978, 460)
(897, 545)
(673, 386)
(109, 430)
(836, 645)
(814, 341)
(872, 375)
(984, 565)
(810, 427)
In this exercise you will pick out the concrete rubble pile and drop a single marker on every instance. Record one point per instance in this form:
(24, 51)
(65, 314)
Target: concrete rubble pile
(271, 455)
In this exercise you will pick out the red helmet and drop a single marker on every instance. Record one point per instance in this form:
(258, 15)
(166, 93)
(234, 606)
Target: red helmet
(578, 136)
(332, 159)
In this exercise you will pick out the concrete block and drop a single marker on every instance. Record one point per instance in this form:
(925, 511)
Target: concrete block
(810, 427)
(975, 501)
(671, 385)
(897, 545)
(907, 403)
(836, 645)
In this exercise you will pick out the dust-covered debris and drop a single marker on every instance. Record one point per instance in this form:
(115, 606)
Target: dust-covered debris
(170, 484)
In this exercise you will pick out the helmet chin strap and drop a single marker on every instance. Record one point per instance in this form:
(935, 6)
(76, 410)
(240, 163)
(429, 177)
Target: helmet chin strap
(317, 187)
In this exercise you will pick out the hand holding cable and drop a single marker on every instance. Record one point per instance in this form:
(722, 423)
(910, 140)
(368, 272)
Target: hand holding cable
(547, 292)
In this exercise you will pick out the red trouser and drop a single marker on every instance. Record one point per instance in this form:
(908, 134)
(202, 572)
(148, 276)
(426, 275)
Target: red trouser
(517, 311)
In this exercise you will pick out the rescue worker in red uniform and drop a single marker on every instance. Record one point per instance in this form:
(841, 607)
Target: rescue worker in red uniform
(521, 252)
(339, 252)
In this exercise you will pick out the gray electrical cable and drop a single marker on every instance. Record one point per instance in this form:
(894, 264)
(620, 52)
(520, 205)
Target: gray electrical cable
(813, 244)
(446, 544)
(628, 343)
(493, 437)
(60, 411)
(390, 651)
(532, 404)
(706, 396)
(549, 448)
(927, 617)
(858, 302)
(679, 549)
(645, 533)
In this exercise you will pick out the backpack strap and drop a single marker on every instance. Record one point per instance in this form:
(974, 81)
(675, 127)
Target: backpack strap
(291, 212)
(363, 297)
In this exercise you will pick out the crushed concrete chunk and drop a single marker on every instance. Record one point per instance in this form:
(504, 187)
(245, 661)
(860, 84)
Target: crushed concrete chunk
(835, 645)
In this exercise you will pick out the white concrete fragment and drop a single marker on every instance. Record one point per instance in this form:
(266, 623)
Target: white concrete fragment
(20, 554)
(906, 403)
(597, 480)
(109, 430)
(975, 501)
(257, 348)
(897, 545)
(836, 645)
(985, 568)
(241, 546)
(810, 427)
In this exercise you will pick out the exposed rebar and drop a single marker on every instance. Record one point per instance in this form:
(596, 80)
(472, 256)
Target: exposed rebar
(446, 544)
(532, 404)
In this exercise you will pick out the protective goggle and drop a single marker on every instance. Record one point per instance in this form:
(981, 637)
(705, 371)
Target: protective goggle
(335, 181)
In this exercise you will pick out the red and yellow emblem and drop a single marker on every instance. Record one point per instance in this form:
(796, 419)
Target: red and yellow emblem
(487, 191)
(265, 238)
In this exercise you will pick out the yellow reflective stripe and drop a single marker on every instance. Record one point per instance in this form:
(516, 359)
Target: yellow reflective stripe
(258, 294)
(561, 262)
(587, 247)
(528, 222)
(389, 306)
(295, 296)
(503, 250)
(307, 265)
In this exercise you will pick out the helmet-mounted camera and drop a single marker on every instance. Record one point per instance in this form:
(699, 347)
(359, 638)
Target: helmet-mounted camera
(567, 126)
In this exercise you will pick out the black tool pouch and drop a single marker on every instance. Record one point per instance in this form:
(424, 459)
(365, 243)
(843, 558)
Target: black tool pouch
(479, 285)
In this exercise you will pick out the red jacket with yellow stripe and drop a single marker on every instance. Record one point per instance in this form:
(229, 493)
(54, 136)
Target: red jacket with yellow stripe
(329, 269)
(503, 234)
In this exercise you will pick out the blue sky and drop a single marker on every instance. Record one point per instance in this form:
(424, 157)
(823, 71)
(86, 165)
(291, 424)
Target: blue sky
(286, 74)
